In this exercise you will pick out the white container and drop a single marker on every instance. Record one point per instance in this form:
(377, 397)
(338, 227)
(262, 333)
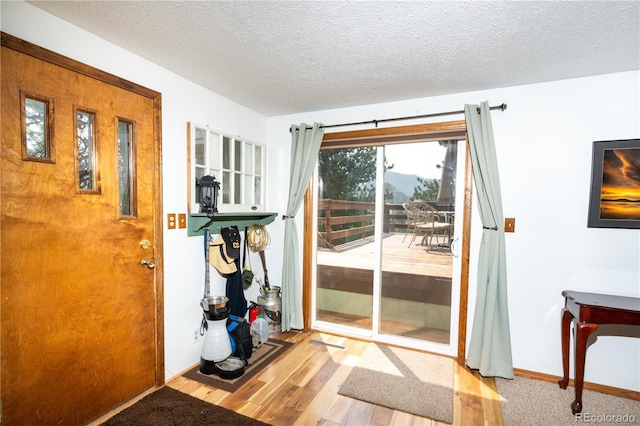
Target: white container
(262, 328)
(217, 346)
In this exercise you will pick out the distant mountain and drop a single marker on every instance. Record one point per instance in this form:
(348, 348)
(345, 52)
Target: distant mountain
(401, 185)
(398, 197)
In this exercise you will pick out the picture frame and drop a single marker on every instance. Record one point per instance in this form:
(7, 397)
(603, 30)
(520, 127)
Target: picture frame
(614, 201)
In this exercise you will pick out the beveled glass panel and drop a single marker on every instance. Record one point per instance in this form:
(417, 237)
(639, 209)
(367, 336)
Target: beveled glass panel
(85, 150)
(125, 168)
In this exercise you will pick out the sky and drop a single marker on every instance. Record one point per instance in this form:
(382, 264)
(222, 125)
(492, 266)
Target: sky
(418, 159)
(621, 174)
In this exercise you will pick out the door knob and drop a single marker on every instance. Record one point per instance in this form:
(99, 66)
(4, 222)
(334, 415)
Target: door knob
(148, 263)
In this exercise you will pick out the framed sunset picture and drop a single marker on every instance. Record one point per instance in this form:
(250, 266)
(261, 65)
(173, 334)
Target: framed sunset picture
(615, 185)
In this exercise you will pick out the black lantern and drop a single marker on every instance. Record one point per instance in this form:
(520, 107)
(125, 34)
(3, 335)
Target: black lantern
(208, 190)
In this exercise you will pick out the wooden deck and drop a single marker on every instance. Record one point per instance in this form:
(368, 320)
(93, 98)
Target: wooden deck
(397, 256)
(416, 287)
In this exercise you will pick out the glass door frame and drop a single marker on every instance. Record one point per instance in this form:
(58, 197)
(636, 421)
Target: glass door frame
(385, 136)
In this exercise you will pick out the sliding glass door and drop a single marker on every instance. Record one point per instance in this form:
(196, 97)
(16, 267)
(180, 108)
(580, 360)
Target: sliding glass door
(346, 255)
(386, 220)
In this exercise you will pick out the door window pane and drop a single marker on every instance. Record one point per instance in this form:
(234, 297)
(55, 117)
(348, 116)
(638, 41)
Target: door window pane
(200, 152)
(125, 168)
(226, 187)
(226, 153)
(247, 189)
(258, 162)
(237, 164)
(37, 122)
(248, 158)
(237, 188)
(213, 148)
(257, 192)
(417, 263)
(85, 150)
(200, 171)
(393, 282)
(345, 261)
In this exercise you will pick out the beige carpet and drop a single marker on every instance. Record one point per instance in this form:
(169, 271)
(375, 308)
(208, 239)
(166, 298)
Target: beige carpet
(404, 380)
(534, 402)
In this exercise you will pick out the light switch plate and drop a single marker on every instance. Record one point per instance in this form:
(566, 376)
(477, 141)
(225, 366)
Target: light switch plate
(509, 224)
(182, 220)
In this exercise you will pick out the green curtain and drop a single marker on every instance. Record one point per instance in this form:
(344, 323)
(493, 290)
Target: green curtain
(490, 344)
(305, 145)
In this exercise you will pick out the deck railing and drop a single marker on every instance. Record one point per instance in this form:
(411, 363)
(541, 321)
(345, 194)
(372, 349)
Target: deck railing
(343, 222)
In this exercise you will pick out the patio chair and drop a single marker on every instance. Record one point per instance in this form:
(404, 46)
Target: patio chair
(411, 222)
(428, 223)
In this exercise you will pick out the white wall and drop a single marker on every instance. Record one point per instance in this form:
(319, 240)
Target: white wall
(544, 147)
(543, 143)
(182, 101)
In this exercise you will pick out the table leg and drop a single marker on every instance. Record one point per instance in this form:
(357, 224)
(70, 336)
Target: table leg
(565, 328)
(583, 330)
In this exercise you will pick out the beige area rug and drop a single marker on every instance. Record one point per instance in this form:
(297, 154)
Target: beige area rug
(261, 357)
(404, 380)
(534, 402)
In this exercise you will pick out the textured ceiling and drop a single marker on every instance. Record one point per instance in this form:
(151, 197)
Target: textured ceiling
(280, 57)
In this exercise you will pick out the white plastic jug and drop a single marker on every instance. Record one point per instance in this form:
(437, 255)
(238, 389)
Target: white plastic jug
(261, 326)
(217, 346)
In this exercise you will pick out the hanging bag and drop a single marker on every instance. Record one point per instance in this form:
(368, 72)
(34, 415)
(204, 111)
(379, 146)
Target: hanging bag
(247, 274)
(240, 335)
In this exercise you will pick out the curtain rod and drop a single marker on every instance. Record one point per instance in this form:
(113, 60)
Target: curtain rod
(501, 107)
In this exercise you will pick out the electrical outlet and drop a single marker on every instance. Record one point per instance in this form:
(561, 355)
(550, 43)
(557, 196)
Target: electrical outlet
(196, 336)
(171, 221)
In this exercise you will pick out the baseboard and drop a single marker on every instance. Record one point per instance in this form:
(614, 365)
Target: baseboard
(609, 390)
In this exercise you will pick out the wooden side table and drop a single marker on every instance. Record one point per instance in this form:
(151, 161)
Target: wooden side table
(587, 311)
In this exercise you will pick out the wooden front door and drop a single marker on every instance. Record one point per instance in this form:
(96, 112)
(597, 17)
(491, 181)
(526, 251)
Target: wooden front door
(81, 316)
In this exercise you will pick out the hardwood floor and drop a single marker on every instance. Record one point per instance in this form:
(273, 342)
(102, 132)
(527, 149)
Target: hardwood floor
(301, 388)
